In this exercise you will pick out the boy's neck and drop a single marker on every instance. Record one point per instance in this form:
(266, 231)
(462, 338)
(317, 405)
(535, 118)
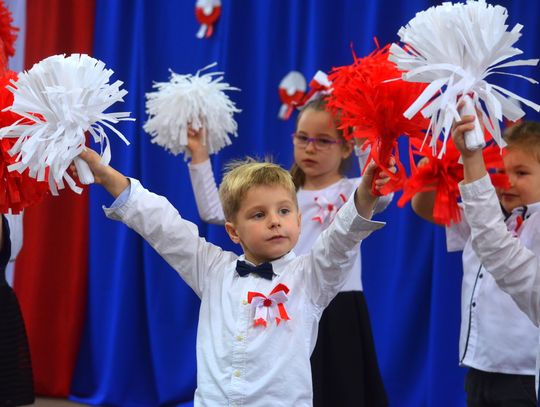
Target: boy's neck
(316, 183)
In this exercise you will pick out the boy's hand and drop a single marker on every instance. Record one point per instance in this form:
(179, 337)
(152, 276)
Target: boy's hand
(105, 175)
(473, 161)
(198, 149)
(459, 129)
(364, 199)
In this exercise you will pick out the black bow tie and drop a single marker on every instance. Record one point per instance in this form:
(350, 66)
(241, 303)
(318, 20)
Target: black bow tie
(264, 270)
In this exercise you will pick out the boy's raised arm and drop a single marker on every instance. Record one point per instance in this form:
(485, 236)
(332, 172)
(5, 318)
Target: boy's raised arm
(113, 181)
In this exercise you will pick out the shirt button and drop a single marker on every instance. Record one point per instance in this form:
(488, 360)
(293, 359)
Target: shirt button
(474, 304)
(237, 373)
(244, 302)
(481, 275)
(239, 338)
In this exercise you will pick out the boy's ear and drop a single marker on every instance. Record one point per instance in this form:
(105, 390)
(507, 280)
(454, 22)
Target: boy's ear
(231, 230)
(299, 218)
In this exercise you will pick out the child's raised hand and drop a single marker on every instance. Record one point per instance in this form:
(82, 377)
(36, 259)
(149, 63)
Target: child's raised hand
(197, 146)
(459, 128)
(474, 167)
(365, 199)
(105, 175)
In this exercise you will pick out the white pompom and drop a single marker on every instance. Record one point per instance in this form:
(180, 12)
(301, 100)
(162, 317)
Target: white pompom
(63, 97)
(196, 101)
(454, 48)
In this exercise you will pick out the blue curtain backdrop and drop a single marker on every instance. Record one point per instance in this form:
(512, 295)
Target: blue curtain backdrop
(138, 347)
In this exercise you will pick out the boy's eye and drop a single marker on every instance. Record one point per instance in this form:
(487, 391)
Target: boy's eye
(258, 215)
(285, 211)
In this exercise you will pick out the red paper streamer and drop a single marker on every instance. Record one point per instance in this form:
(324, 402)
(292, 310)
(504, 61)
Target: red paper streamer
(369, 98)
(17, 191)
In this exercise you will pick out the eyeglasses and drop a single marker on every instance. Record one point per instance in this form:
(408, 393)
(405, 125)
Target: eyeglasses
(320, 143)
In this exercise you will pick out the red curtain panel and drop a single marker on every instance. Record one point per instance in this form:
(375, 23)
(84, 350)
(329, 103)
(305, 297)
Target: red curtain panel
(51, 270)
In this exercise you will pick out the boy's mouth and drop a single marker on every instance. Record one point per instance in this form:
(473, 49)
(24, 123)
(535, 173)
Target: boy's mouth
(279, 237)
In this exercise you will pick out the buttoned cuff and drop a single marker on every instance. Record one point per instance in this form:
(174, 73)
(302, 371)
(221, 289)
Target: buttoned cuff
(123, 202)
(204, 167)
(476, 189)
(349, 218)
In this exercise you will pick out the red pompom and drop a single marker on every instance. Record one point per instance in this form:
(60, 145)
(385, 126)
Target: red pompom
(369, 98)
(17, 191)
(443, 175)
(8, 35)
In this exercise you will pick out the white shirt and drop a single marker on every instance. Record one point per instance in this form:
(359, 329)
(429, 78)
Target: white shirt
(496, 336)
(312, 204)
(237, 363)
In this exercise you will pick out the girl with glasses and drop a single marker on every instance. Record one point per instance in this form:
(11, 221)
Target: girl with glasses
(344, 364)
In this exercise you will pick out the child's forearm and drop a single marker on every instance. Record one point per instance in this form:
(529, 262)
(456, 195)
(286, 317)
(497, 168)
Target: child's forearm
(365, 203)
(423, 203)
(474, 167)
(113, 181)
(199, 155)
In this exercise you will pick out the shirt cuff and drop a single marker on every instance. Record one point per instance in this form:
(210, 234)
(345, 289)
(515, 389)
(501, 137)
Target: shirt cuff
(204, 166)
(476, 188)
(349, 216)
(121, 203)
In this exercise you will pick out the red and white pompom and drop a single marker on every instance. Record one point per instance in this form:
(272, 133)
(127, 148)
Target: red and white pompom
(291, 90)
(207, 13)
(191, 101)
(454, 48)
(17, 190)
(369, 97)
(62, 98)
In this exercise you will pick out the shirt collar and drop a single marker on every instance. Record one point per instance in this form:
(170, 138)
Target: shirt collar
(532, 208)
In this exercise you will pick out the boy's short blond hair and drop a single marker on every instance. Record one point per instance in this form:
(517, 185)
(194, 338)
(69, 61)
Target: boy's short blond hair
(240, 176)
(525, 136)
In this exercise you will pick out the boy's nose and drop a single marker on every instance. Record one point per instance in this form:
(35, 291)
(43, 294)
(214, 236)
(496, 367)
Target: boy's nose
(274, 220)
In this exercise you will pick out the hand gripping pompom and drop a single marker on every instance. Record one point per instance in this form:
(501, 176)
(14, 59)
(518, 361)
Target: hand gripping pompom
(64, 97)
(369, 98)
(455, 48)
(17, 190)
(191, 101)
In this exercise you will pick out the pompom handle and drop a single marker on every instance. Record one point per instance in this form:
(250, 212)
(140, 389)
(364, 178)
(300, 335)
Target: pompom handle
(83, 170)
(474, 139)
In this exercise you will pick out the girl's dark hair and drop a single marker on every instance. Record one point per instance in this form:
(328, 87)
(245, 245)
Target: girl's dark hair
(319, 105)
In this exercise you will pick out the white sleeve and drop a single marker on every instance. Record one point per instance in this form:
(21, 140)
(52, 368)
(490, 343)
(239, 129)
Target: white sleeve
(335, 252)
(457, 234)
(515, 268)
(206, 193)
(175, 239)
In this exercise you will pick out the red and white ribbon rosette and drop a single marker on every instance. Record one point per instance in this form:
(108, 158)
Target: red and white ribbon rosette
(271, 307)
(207, 13)
(318, 86)
(291, 90)
(328, 209)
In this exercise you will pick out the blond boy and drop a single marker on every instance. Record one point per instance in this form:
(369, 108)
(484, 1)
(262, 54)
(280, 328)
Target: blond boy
(257, 325)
